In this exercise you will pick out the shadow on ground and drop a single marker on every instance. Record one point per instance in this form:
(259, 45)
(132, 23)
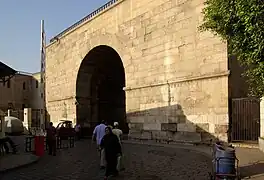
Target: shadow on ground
(255, 169)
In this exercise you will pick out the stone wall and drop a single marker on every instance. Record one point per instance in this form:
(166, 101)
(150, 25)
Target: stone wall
(188, 111)
(36, 101)
(176, 76)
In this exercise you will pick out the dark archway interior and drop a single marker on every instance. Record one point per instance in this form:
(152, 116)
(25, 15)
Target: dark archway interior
(99, 89)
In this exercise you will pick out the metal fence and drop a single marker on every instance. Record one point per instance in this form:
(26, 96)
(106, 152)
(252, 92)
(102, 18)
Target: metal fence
(245, 119)
(60, 144)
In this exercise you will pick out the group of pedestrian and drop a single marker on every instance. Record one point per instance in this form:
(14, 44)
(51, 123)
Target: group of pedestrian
(51, 136)
(109, 145)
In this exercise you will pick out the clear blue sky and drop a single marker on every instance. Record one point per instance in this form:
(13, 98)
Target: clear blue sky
(20, 27)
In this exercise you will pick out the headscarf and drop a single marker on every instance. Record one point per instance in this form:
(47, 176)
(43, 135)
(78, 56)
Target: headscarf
(110, 126)
(116, 124)
(109, 129)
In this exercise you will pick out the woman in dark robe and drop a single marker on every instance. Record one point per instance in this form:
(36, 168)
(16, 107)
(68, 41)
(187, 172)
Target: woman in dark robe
(112, 148)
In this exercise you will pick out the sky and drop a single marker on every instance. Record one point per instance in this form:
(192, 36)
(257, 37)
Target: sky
(20, 27)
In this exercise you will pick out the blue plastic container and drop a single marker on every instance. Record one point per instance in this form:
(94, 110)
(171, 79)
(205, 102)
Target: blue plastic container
(227, 160)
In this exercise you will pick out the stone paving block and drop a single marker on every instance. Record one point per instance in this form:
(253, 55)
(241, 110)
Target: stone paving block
(141, 162)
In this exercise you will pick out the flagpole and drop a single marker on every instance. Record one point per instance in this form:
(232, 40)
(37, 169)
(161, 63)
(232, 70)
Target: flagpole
(42, 75)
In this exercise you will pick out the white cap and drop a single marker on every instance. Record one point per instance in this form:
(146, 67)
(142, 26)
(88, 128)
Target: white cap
(115, 123)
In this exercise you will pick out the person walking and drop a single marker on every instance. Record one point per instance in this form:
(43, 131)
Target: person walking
(77, 129)
(51, 139)
(98, 134)
(112, 148)
(118, 132)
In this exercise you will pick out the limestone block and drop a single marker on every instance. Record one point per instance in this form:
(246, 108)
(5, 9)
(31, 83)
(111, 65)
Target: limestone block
(137, 119)
(195, 118)
(134, 134)
(169, 127)
(150, 28)
(202, 127)
(160, 119)
(208, 137)
(173, 119)
(158, 33)
(182, 119)
(186, 127)
(146, 135)
(160, 135)
(221, 129)
(186, 137)
(136, 126)
(153, 50)
(150, 119)
(211, 128)
(156, 126)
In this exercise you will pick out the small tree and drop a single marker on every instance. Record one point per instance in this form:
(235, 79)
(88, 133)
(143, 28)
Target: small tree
(241, 24)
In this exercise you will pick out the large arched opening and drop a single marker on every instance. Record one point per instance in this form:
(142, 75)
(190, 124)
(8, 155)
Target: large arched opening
(99, 89)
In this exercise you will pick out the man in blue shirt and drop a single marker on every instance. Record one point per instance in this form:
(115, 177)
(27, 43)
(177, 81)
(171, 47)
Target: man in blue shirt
(98, 134)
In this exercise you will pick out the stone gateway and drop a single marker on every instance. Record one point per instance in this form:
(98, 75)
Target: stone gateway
(145, 63)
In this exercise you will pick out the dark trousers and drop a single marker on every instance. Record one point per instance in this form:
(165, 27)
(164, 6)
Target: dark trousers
(52, 146)
(4, 142)
(78, 135)
(111, 163)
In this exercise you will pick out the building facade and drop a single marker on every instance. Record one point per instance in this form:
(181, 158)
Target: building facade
(16, 93)
(146, 63)
(20, 92)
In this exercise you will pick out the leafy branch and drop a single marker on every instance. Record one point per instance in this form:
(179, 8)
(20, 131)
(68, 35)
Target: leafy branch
(241, 24)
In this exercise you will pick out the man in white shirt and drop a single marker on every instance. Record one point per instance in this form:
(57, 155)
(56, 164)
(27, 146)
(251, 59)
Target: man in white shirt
(118, 132)
(98, 134)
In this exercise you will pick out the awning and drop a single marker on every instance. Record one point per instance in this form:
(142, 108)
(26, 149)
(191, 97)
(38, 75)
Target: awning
(6, 72)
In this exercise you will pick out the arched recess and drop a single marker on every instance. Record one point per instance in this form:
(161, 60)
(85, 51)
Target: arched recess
(99, 88)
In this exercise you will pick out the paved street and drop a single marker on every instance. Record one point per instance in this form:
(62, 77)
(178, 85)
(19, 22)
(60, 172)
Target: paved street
(142, 162)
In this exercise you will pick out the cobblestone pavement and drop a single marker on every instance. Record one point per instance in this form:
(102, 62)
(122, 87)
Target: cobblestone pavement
(142, 162)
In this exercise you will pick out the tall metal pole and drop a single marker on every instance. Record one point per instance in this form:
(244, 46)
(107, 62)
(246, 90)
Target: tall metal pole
(42, 75)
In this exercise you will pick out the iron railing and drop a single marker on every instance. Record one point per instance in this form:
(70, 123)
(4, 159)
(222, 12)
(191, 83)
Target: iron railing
(60, 143)
(86, 18)
(245, 119)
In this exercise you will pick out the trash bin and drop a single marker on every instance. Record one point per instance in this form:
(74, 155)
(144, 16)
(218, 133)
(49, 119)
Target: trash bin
(226, 160)
(39, 145)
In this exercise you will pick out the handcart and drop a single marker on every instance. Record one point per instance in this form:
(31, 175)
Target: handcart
(224, 168)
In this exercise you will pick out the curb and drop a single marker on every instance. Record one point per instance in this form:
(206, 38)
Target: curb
(250, 146)
(19, 166)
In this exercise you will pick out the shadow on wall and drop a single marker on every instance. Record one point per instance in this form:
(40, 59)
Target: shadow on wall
(170, 124)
